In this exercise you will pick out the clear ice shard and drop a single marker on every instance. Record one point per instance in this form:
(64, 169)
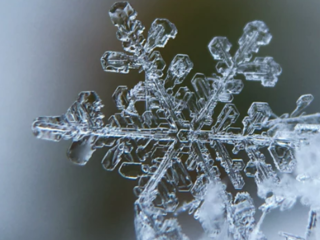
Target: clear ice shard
(168, 149)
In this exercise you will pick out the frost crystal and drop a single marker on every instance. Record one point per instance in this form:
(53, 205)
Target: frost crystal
(177, 143)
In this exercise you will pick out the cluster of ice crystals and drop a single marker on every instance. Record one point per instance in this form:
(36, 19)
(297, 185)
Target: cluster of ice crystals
(178, 143)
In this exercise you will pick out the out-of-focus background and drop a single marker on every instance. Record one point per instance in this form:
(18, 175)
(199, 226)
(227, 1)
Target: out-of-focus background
(50, 51)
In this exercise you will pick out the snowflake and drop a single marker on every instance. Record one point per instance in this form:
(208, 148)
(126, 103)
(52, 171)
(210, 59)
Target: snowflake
(175, 143)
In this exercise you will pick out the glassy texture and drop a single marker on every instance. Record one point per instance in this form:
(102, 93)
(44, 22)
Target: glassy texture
(173, 138)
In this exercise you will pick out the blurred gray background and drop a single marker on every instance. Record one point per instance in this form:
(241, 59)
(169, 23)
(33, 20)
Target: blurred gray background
(49, 52)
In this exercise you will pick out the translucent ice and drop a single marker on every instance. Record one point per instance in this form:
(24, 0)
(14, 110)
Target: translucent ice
(178, 130)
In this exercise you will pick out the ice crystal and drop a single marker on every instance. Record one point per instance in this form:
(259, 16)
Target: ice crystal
(179, 136)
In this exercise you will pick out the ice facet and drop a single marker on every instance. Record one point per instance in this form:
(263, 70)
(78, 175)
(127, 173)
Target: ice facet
(116, 62)
(255, 34)
(121, 12)
(261, 69)
(219, 48)
(160, 32)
